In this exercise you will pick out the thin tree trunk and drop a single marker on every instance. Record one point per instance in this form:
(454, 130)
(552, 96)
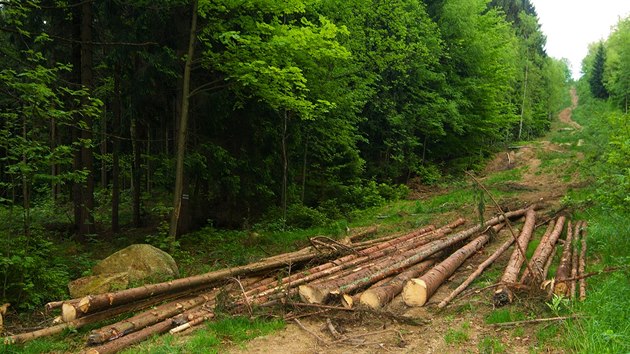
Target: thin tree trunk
(133, 338)
(183, 125)
(117, 102)
(54, 168)
(304, 169)
(418, 291)
(285, 164)
(575, 260)
(503, 294)
(103, 148)
(520, 125)
(135, 173)
(582, 268)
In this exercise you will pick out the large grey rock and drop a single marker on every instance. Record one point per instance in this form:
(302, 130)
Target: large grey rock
(132, 266)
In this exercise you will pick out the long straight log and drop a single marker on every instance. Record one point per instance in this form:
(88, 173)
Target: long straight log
(503, 294)
(77, 308)
(375, 241)
(485, 264)
(582, 268)
(564, 268)
(348, 301)
(422, 254)
(379, 296)
(549, 261)
(543, 251)
(417, 291)
(574, 260)
(124, 342)
(148, 318)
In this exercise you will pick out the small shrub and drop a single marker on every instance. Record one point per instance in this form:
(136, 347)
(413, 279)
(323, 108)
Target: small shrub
(301, 216)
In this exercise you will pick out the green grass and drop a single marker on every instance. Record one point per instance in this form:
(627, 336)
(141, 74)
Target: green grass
(490, 345)
(504, 315)
(457, 336)
(211, 339)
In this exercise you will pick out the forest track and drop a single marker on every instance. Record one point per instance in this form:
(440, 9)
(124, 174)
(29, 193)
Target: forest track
(461, 327)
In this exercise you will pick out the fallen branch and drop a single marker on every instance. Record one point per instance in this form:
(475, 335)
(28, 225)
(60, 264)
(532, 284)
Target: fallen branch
(318, 338)
(564, 268)
(537, 320)
(582, 267)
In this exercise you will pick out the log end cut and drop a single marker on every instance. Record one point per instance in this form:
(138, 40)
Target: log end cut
(371, 299)
(312, 294)
(347, 301)
(68, 313)
(415, 292)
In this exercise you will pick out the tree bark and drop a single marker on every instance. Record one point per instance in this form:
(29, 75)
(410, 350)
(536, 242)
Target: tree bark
(148, 318)
(479, 269)
(543, 252)
(117, 103)
(564, 268)
(575, 259)
(378, 296)
(418, 291)
(183, 125)
(136, 173)
(503, 294)
(133, 338)
(582, 268)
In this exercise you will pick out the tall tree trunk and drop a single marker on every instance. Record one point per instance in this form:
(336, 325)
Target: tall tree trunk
(135, 173)
(520, 125)
(183, 123)
(87, 157)
(103, 148)
(285, 164)
(304, 169)
(116, 151)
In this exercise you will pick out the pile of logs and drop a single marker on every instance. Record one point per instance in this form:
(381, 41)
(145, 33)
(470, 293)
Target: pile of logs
(369, 273)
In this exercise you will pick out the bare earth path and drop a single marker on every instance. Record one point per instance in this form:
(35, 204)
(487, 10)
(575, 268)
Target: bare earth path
(462, 324)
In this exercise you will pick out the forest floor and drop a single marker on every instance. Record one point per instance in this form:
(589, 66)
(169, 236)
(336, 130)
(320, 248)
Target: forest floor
(539, 171)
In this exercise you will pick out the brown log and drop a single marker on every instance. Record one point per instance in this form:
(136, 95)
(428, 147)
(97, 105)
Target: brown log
(417, 291)
(378, 296)
(485, 264)
(378, 252)
(321, 293)
(86, 320)
(375, 241)
(561, 288)
(548, 263)
(77, 308)
(148, 318)
(124, 342)
(503, 294)
(582, 268)
(348, 301)
(574, 260)
(543, 252)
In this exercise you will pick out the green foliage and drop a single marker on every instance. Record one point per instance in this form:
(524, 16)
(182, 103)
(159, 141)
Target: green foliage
(504, 315)
(596, 79)
(457, 336)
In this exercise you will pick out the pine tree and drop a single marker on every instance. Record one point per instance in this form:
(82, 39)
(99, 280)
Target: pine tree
(596, 80)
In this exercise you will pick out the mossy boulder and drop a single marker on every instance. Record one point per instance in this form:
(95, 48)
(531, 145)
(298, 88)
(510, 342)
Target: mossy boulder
(132, 266)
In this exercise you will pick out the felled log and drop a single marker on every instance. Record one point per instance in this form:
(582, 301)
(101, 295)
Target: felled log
(375, 241)
(417, 291)
(574, 260)
(561, 288)
(349, 301)
(379, 296)
(369, 231)
(543, 252)
(321, 293)
(548, 263)
(76, 308)
(485, 264)
(147, 318)
(503, 294)
(123, 342)
(582, 268)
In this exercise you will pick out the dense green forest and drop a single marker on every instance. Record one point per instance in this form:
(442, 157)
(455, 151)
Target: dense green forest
(179, 113)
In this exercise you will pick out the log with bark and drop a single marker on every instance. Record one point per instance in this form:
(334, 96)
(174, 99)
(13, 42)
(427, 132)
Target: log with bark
(485, 264)
(417, 291)
(582, 268)
(378, 296)
(148, 318)
(574, 260)
(543, 252)
(320, 293)
(549, 261)
(503, 294)
(121, 343)
(561, 288)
